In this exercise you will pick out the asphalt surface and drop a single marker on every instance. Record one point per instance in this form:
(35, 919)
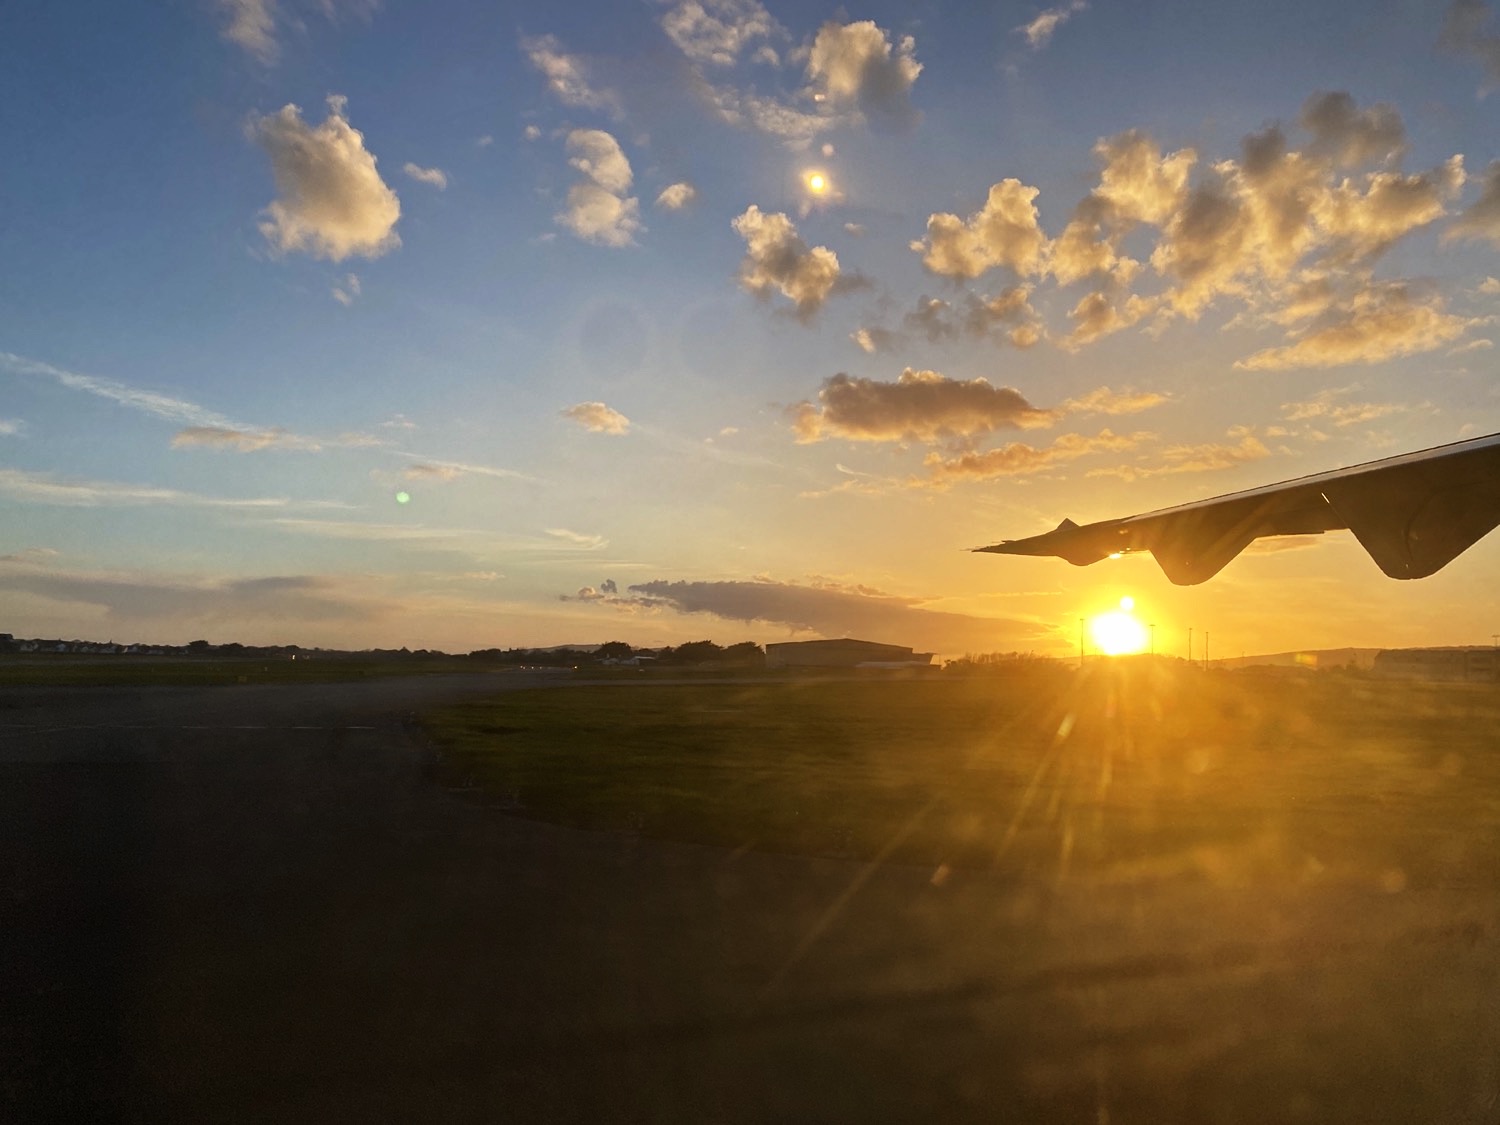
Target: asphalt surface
(263, 904)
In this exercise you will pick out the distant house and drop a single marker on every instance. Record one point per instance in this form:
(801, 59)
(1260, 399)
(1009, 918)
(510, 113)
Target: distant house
(844, 653)
(1448, 665)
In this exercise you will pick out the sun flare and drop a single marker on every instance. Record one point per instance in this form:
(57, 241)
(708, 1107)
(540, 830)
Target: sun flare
(1118, 633)
(817, 183)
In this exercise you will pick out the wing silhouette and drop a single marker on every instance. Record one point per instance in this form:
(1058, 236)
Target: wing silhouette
(1414, 514)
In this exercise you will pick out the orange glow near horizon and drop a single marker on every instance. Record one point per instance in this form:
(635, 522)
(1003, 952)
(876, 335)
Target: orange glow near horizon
(1118, 633)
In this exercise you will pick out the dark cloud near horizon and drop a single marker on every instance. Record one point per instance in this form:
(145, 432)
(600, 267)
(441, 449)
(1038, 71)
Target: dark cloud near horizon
(835, 611)
(295, 598)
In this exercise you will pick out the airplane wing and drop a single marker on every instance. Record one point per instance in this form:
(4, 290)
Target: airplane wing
(1414, 514)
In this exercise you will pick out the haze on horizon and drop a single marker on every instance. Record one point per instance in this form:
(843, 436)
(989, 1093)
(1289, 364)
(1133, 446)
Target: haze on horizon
(457, 326)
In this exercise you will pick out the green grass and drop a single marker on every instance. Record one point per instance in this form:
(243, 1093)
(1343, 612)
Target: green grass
(65, 670)
(1129, 770)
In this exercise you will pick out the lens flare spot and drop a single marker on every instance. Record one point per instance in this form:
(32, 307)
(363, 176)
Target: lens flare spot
(403, 498)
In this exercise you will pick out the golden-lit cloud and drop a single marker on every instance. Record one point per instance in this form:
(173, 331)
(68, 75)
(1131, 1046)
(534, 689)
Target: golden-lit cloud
(855, 66)
(598, 418)
(674, 197)
(777, 260)
(1103, 400)
(1482, 218)
(718, 31)
(1039, 31)
(240, 441)
(919, 406)
(1019, 459)
(1327, 406)
(434, 176)
(578, 539)
(1004, 232)
(1244, 446)
(874, 339)
(1383, 320)
(567, 75)
(599, 210)
(331, 202)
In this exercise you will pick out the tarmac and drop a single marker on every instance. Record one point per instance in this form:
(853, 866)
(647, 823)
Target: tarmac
(263, 903)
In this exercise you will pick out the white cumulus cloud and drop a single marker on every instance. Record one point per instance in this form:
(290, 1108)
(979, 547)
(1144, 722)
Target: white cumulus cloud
(331, 202)
(598, 418)
(599, 210)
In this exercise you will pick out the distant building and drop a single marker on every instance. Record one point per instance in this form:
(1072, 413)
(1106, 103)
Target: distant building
(1445, 665)
(844, 653)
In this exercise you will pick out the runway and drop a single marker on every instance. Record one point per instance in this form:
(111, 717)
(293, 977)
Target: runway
(261, 903)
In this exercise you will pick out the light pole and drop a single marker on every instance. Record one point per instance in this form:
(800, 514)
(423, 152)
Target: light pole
(1152, 627)
(1190, 646)
(1080, 642)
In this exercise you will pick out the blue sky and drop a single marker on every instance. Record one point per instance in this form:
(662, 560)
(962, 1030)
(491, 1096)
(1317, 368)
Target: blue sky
(561, 277)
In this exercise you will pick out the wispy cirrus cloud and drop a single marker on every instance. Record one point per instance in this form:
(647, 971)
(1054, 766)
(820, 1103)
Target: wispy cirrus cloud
(1038, 31)
(49, 488)
(1206, 457)
(1020, 459)
(568, 75)
(434, 177)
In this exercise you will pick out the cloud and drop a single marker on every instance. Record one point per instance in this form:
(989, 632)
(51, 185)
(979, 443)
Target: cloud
(1206, 458)
(1325, 405)
(10, 427)
(240, 441)
(770, 115)
(567, 76)
(598, 418)
(1009, 315)
(872, 340)
(1102, 400)
(919, 406)
(1020, 459)
(1463, 30)
(331, 200)
(1384, 320)
(674, 197)
(1350, 136)
(1040, 30)
(293, 598)
(434, 176)
(347, 291)
(30, 556)
(1479, 345)
(1004, 232)
(776, 259)
(830, 611)
(423, 471)
(598, 209)
(146, 402)
(1482, 219)
(459, 468)
(718, 31)
(855, 66)
(252, 25)
(1490, 286)
(577, 539)
(48, 488)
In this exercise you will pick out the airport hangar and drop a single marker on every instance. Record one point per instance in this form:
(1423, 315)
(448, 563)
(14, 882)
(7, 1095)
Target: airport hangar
(843, 653)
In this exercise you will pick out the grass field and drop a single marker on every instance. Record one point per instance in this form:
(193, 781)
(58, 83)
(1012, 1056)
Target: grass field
(1127, 770)
(145, 671)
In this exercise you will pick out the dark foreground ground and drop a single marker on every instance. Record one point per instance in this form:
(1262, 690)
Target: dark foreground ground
(261, 904)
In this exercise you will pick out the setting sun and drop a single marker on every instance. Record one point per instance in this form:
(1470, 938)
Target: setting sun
(817, 183)
(1118, 633)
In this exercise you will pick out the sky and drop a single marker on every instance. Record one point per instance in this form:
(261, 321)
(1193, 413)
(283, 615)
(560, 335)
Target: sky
(362, 323)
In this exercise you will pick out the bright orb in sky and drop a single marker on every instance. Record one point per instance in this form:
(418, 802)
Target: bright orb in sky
(1118, 633)
(403, 498)
(817, 183)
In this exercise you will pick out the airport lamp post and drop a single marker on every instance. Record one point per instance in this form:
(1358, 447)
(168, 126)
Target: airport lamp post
(1152, 627)
(1080, 642)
